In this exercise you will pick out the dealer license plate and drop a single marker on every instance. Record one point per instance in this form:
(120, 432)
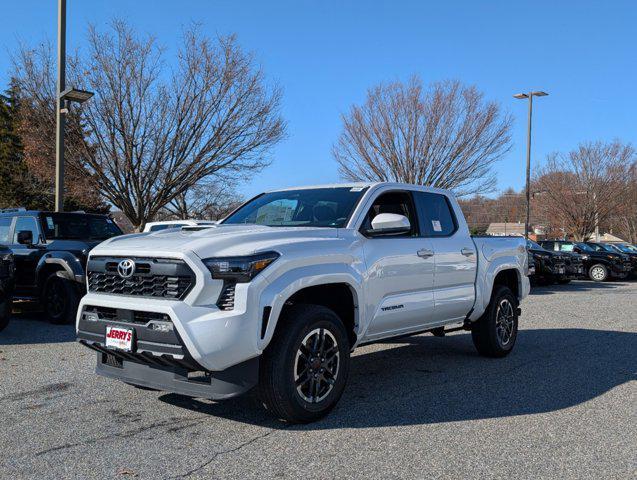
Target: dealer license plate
(119, 338)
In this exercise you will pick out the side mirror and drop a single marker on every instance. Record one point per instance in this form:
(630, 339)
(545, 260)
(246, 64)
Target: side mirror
(25, 237)
(389, 224)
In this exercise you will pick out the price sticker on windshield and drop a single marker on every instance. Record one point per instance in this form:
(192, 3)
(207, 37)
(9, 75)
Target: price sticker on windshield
(436, 225)
(49, 223)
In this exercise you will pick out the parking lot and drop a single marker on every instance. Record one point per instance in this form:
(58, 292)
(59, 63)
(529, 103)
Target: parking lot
(562, 405)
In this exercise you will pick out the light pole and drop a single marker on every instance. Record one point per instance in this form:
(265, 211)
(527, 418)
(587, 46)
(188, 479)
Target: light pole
(530, 96)
(64, 97)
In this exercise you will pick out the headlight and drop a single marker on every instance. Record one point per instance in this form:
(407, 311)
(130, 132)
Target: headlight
(585, 257)
(239, 269)
(613, 257)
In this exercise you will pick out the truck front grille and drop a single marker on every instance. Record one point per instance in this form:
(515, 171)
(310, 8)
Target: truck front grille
(157, 278)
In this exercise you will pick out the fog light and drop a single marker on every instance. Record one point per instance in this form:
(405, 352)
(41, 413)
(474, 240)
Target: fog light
(162, 327)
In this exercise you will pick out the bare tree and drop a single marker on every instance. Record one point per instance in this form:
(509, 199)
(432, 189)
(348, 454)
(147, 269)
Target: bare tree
(625, 218)
(445, 136)
(212, 199)
(156, 133)
(35, 84)
(585, 186)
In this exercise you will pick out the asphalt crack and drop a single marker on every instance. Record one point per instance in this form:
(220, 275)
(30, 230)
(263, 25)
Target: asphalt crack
(228, 451)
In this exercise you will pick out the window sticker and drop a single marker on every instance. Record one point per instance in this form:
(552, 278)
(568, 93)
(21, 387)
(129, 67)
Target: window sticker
(49, 223)
(436, 225)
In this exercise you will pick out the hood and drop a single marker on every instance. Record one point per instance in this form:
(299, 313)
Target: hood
(217, 240)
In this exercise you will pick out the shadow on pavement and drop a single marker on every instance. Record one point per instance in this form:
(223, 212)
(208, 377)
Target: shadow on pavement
(576, 286)
(432, 380)
(32, 329)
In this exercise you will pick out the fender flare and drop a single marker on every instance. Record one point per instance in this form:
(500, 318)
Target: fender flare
(282, 288)
(71, 268)
(484, 289)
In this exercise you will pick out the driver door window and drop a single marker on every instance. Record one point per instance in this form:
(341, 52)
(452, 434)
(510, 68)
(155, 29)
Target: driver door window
(393, 202)
(26, 224)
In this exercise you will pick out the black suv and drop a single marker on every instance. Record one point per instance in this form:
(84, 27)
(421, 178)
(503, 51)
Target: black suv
(625, 249)
(6, 285)
(598, 264)
(549, 266)
(50, 251)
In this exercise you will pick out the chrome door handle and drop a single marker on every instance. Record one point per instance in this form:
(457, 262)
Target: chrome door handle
(425, 253)
(467, 252)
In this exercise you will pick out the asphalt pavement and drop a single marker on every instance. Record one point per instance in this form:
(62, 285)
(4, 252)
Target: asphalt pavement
(562, 405)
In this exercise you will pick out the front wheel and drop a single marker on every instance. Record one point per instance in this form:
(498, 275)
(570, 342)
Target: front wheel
(304, 370)
(60, 299)
(598, 273)
(494, 334)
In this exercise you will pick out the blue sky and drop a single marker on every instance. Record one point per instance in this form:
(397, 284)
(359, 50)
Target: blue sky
(325, 54)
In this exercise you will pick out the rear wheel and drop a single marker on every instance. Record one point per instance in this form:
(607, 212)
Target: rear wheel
(304, 370)
(495, 333)
(60, 299)
(598, 273)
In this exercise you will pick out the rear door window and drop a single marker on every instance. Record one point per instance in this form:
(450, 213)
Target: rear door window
(436, 215)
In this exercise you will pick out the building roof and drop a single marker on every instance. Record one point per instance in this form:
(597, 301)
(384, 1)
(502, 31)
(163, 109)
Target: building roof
(506, 228)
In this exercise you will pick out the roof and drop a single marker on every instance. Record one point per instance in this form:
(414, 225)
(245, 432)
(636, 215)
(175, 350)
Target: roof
(506, 228)
(362, 185)
(609, 238)
(16, 211)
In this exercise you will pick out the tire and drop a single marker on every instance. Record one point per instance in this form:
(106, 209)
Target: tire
(60, 300)
(494, 335)
(285, 363)
(598, 273)
(5, 314)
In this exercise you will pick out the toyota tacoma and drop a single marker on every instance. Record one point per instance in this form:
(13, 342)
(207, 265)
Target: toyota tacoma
(279, 294)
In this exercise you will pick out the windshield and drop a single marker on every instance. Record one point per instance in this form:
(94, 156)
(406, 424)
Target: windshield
(165, 226)
(530, 244)
(76, 226)
(600, 247)
(584, 246)
(312, 207)
(627, 248)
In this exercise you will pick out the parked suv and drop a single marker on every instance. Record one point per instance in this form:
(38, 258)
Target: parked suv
(50, 252)
(6, 285)
(549, 266)
(280, 292)
(624, 249)
(599, 264)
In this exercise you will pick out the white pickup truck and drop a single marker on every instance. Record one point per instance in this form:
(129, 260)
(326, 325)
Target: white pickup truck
(281, 292)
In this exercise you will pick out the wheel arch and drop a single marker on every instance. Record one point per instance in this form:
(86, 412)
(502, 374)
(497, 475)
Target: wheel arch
(339, 291)
(65, 264)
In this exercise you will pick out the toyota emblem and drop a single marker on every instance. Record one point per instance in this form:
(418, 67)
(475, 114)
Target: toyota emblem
(126, 268)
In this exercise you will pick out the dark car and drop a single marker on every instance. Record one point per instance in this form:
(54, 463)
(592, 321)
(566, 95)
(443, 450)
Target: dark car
(599, 265)
(6, 285)
(626, 249)
(50, 252)
(549, 266)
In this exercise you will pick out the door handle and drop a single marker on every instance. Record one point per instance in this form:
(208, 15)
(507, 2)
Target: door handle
(467, 252)
(425, 253)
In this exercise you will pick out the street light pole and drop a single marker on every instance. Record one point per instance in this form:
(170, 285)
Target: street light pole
(528, 171)
(60, 104)
(530, 96)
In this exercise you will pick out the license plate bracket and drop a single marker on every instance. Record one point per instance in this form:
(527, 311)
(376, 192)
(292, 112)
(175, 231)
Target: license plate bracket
(120, 338)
